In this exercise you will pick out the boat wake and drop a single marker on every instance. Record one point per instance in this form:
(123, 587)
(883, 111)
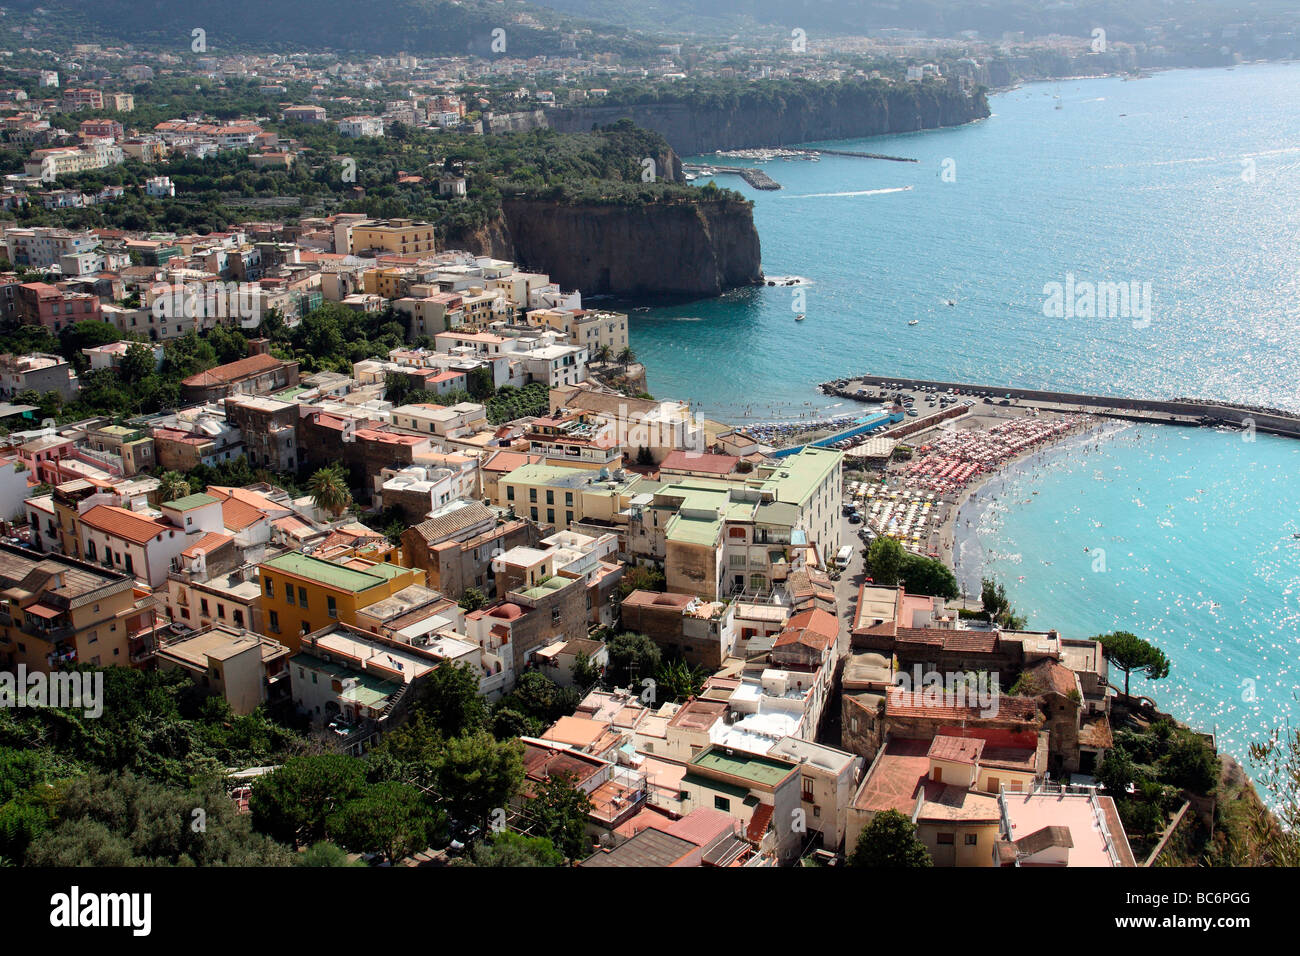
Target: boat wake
(857, 192)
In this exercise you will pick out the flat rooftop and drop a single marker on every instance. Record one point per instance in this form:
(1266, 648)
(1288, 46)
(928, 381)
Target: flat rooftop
(1098, 835)
(754, 769)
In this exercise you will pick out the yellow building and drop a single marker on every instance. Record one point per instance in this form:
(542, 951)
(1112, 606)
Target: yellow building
(557, 496)
(56, 611)
(302, 594)
(399, 236)
(390, 283)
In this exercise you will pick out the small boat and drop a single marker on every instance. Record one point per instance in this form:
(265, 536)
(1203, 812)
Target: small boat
(913, 322)
(799, 317)
(950, 302)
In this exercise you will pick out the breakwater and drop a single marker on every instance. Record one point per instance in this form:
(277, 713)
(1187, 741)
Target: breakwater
(1170, 412)
(859, 155)
(755, 177)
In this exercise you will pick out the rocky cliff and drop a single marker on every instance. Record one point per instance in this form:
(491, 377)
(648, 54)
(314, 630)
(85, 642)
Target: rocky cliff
(677, 249)
(694, 128)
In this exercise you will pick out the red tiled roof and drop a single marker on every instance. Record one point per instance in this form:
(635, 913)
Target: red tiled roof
(233, 371)
(238, 515)
(209, 542)
(956, 749)
(694, 461)
(903, 703)
(121, 523)
(976, 642)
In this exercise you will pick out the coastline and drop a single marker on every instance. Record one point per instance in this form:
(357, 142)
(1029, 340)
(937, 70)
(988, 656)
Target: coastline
(959, 532)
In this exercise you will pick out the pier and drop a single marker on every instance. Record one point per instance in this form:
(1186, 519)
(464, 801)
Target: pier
(849, 152)
(1152, 411)
(755, 177)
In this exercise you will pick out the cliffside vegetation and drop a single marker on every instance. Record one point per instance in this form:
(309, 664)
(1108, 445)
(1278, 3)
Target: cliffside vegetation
(432, 27)
(395, 176)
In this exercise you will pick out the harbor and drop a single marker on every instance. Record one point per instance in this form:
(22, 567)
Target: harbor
(755, 177)
(1182, 411)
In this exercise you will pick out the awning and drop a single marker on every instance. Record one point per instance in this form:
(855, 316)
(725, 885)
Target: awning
(43, 610)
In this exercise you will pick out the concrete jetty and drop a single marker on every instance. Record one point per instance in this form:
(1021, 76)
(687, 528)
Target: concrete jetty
(859, 155)
(866, 388)
(755, 177)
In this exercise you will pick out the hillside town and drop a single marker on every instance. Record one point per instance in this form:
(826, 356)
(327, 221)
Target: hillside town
(814, 699)
(384, 551)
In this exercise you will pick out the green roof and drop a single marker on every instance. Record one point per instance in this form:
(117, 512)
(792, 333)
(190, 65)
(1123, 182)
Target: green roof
(755, 769)
(721, 786)
(333, 575)
(190, 502)
(699, 516)
(546, 587)
(370, 690)
(798, 476)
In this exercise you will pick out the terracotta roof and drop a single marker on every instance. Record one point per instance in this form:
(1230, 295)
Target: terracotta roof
(1050, 676)
(814, 627)
(977, 642)
(903, 703)
(695, 461)
(233, 371)
(956, 749)
(121, 523)
(238, 515)
(207, 544)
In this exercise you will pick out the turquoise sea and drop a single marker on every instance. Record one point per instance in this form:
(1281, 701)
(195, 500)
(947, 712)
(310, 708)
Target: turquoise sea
(1188, 181)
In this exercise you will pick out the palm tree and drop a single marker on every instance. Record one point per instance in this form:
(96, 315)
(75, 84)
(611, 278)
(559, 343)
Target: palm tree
(329, 490)
(172, 486)
(626, 356)
(603, 354)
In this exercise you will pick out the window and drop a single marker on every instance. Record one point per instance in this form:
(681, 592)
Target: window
(550, 496)
(807, 788)
(555, 615)
(945, 839)
(510, 492)
(332, 607)
(721, 803)
(269, 588)
(221, 611)
(275, 623)
(288, 592)
(568, 499)
(302, 598)
(203, 605)
(971, 839)
(532, 494)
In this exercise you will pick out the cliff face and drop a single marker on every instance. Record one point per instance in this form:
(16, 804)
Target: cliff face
(692, 130)
(687, 249)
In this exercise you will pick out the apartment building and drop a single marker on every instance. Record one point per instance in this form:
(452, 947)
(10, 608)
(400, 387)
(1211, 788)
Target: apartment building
(55, 307)
(56, 611)
(302, 593)
(39, 373)
(397, 236)
(245, 669)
